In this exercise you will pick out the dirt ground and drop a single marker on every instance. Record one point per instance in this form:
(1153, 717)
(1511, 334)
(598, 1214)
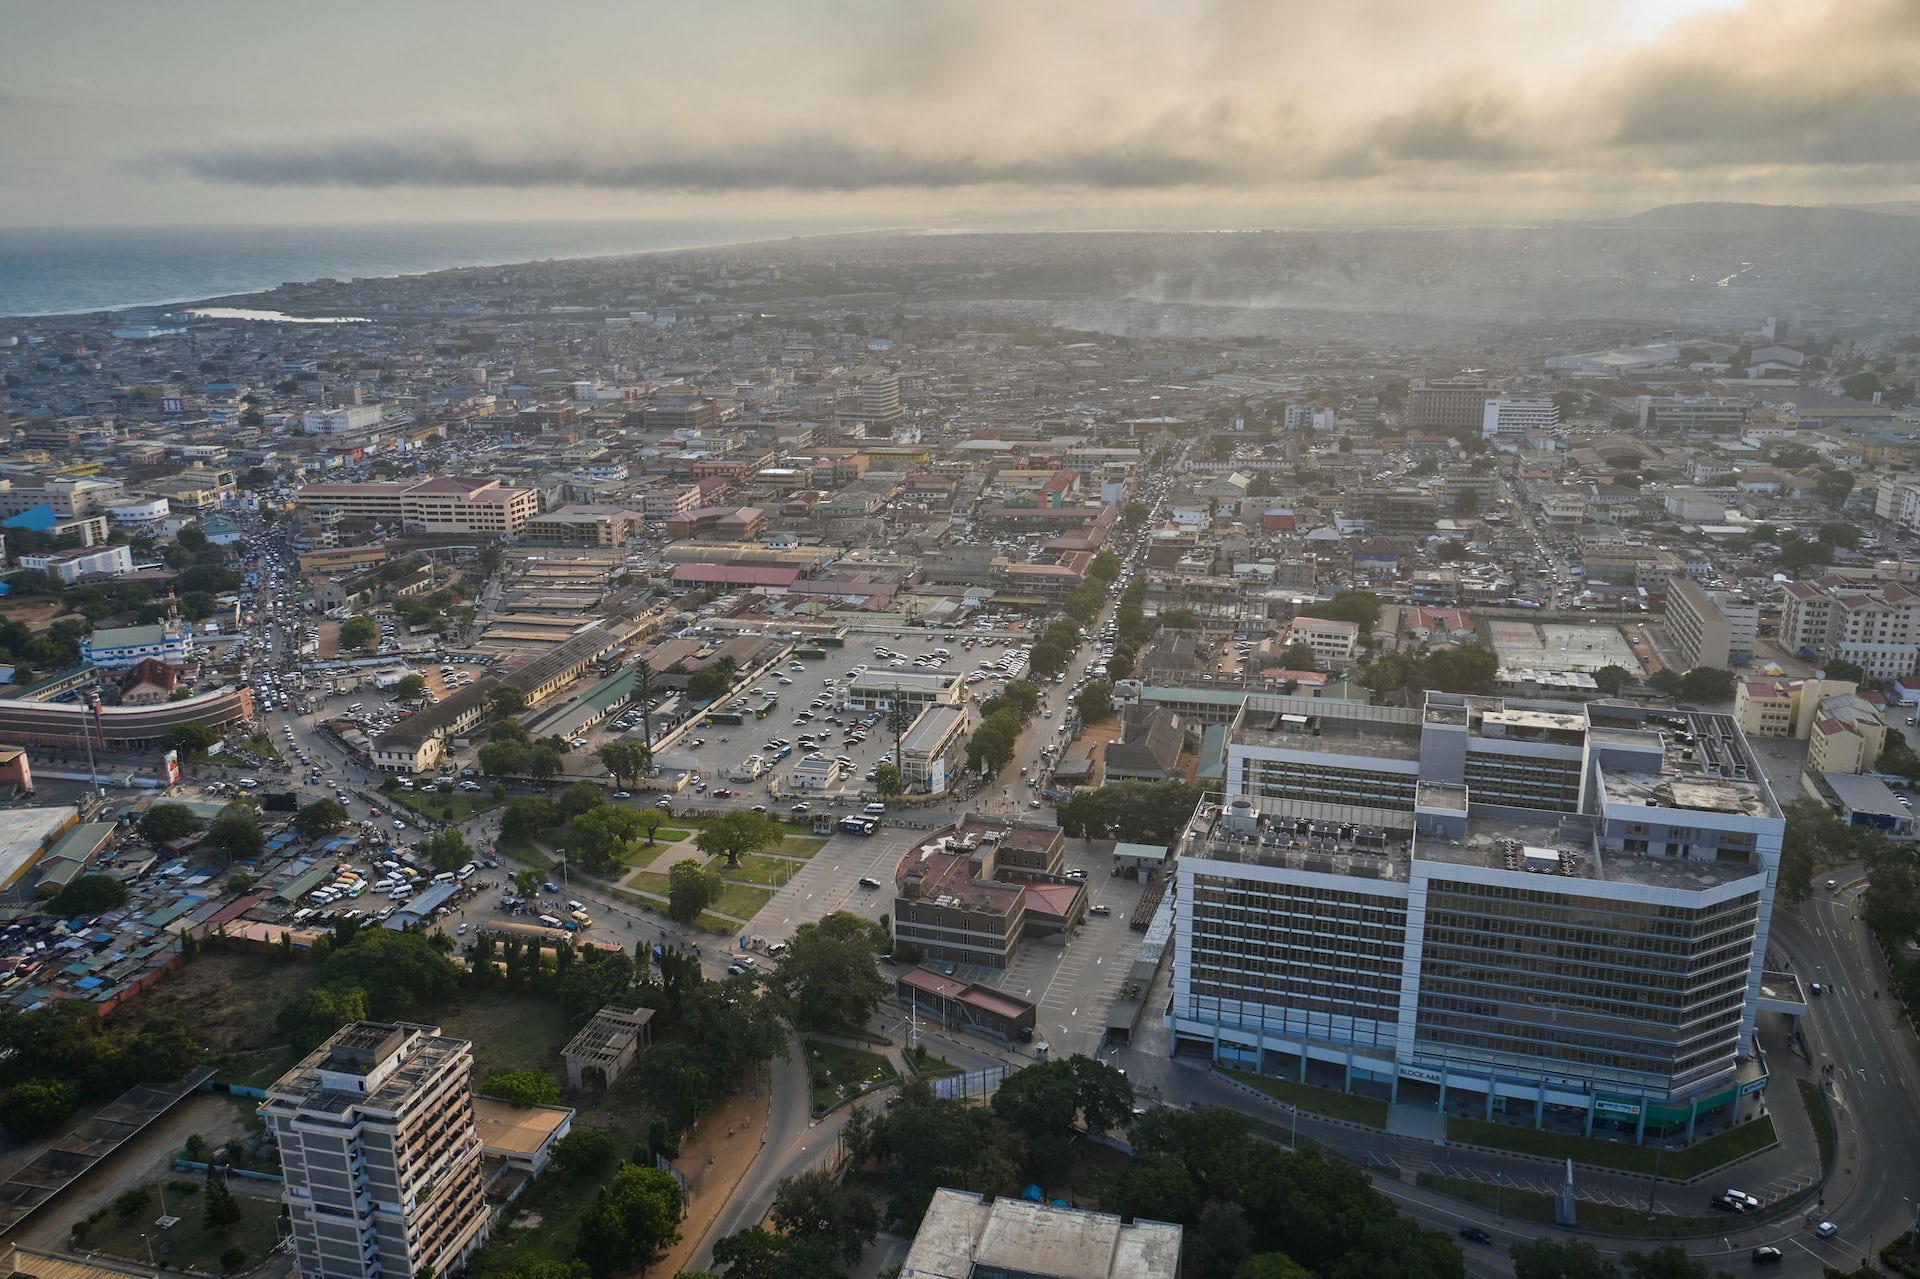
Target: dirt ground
(34, 612)
(715, 1158)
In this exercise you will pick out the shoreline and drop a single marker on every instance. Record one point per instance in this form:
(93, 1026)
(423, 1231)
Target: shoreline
(262, 298)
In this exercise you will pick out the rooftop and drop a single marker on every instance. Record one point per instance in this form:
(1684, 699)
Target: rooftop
(962, 1233)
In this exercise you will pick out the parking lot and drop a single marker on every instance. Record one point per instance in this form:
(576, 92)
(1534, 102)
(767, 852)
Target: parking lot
(809, 706)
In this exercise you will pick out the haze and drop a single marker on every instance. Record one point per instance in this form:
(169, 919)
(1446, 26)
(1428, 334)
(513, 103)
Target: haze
(974, 112)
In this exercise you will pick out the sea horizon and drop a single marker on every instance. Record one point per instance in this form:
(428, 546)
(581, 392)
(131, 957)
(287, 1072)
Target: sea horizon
(58, 271)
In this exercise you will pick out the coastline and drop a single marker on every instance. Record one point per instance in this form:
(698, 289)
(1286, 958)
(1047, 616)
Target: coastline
(262, 298)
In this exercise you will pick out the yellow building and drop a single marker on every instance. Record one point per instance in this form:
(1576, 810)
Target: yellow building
(1787, 707)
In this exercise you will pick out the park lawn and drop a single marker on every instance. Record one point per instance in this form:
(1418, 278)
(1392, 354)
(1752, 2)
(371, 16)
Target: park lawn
(433, 803)
(742, 901)
(801, 846)
(1370, 1111)
(1611, 1219)
(188, 1244)
(509, 1030)
(706, 923)
(836, 1073)
(528, 853)
(651, 882)
(757, 868)
(262, 745)
(1678, 1165)
(662, 854)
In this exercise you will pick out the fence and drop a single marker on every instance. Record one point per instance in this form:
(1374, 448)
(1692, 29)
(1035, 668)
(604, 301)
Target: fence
(974, 1083)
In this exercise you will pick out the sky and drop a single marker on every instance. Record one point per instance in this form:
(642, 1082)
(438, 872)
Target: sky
(948, 112)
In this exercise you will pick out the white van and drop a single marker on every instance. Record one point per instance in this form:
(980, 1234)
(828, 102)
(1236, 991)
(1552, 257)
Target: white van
(444, 877)
(874, 810)
(466, 870)
(356, 708)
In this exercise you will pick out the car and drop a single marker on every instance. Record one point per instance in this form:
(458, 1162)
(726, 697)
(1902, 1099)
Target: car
(463, 928)
(868, 881)
(663, 802)
(550, 886)
(1473, 1234)
(1826, 1230)
(951, 969)
(1766, 1255)
(801, 807)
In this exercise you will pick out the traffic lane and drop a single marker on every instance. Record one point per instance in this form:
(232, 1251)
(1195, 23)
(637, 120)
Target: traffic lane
(1874, 1089)
(792, 1144)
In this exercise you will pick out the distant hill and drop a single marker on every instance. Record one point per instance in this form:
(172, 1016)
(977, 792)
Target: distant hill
(1902, 208)
(1726, 216)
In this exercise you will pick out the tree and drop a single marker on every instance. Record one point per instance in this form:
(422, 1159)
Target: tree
(235, 833)
(37, 1106)
(581, 797)
(652, 818)
(1157, 1187)
(634, 1217)
(627, 761)
(1134, 514)
(527, 816)
(1840, 668)
(1706, 684)
(1106, 568)
(1106, 1098)
(507, 700)
(1040, 1100)
(221, 1209)
(1611, 679)
(168, 822)
(759, 1253)
(1180, 619)
(522, 1088)
(1861, 386)
(1141, 812)
(89, 895)
(190, 738)
(712, 681)
(737, 833)
(1546, 1258)
(830, 978)
(411, 688)
(308, 1018)
(1299, 656)
(397, 970)
(691, 888)
(1833, 486)
(585, 1153)
(1271, 1265)
(322, 815)
(1094, 702)
(1359, 607)
(447, 850)
(358, 633)
(819, 1202)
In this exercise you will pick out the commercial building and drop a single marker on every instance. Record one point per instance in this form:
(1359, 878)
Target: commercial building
(1514, 419)
(1551, 909)
(1447, 404)
(1709, 628)
(380, 1153)
(71, 566)
(972, 894)
(1333, 642)
(933, 749)
(964, 1237)
(1712, 414)
(340, 421)
(881, 690)
(582, 524)
(117, 648)
(442, 504)
(1875, 625)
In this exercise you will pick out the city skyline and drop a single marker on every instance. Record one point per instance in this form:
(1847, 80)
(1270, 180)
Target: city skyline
(1169, 113)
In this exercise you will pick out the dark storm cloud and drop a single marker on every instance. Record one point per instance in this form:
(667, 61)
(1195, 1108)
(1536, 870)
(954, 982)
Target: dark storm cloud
(802, 163)
(1728, 116)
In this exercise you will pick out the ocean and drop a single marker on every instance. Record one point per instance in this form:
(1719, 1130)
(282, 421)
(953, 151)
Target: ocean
(59, 271)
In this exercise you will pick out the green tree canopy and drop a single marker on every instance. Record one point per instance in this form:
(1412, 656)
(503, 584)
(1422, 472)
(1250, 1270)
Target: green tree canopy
(505, 700)
(190, 738)
(528, 816)
(521, 1088)
(627, 761)
(830, 978)
(37, 1106)
(358, 633)
(582, 797)
(738, 833)
(309, 1017)
(89, 895)
(411, 688)
(235, 833)
(321, 816)
(887, 779)
(820, 1202)
(397, 970)
(691, 888)
(1094, 702)
(447, 850)
(635, 1216)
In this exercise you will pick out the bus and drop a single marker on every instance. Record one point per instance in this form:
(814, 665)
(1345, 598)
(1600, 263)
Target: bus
(766, 708)
(725, 717)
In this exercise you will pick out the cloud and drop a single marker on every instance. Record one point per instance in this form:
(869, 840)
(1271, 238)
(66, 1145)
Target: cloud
(1233, 96)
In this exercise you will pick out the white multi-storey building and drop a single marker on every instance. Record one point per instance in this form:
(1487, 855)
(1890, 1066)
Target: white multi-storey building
(1542, 909)
(1875, 625)
(380, 1154)
(1513, 419)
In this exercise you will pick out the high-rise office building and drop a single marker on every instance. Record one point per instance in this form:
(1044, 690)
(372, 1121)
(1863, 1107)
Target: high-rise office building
(1556, 910)
(380, 1154)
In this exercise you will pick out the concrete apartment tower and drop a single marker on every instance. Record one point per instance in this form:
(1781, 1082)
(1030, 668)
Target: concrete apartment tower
(381, 1156)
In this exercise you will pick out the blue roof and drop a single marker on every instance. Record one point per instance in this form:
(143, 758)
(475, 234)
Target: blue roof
(39, 518)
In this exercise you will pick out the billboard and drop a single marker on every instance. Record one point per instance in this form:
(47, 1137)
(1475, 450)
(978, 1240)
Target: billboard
(173, 768)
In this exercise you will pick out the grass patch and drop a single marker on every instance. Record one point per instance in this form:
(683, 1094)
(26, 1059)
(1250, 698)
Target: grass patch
(229, 997)
(801, 846)
(707, 923)
(527, 853)
(433, 804)
(742, 901)
(510, 1030)
(651, 882)
(925, 1065)
(188, 1245)
(758, 868)
(836, 1073)
(1531, 1205)
(1680, 1165)
(1822, 1122)
(670, 835)
(1370, 1111)
(262, 745)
